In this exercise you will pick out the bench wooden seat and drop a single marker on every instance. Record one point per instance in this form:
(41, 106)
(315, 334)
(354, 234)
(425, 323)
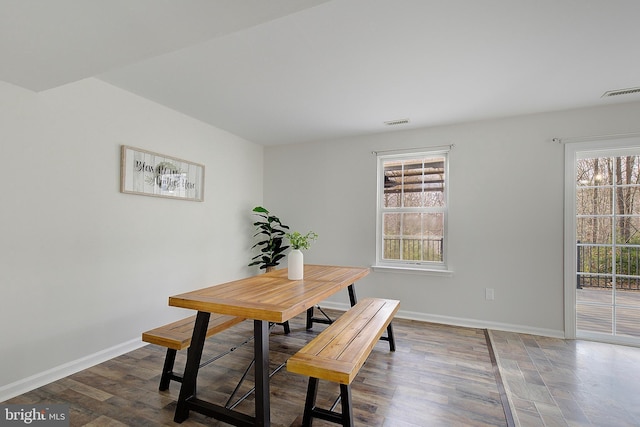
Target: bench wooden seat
(338, 353)
(177, 336)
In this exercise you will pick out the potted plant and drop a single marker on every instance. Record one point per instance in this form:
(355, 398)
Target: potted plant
(271, 231)
(296, 259)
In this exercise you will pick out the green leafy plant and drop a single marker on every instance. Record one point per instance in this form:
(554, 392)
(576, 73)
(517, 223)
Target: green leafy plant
(271, 232)
(298, 241)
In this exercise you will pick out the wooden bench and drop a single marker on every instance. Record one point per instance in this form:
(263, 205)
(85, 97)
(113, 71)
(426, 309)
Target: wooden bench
(177, 336)
(338, 353)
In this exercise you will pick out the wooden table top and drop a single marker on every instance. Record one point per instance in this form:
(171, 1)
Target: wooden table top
(271, 296)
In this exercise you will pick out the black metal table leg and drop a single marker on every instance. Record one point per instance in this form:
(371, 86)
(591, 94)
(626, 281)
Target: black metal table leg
(194, 354)
(310, 318)
(352, 294)
(310, 315)
(261, 333)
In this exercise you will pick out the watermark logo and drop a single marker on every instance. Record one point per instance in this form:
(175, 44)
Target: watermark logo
(55, 415)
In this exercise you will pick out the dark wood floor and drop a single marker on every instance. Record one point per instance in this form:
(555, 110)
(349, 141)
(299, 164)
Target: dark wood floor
(439, 376)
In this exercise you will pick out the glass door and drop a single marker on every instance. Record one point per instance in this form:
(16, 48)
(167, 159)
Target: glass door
(607, 245)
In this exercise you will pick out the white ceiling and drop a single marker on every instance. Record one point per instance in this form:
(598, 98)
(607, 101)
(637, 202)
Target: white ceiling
(291, 71)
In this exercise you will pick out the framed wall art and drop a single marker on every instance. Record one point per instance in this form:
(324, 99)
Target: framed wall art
(152, 174)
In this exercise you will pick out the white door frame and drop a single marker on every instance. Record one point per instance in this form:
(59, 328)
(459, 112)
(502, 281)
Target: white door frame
(608, 146)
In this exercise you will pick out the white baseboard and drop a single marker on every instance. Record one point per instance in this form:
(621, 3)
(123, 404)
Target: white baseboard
(38, 380)
(464, 322)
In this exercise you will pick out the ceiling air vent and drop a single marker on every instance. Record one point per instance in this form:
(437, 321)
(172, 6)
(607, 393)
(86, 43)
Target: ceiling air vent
(627, 91)
(398, 122)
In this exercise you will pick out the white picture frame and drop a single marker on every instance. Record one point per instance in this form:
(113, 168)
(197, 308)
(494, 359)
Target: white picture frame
(151, 174)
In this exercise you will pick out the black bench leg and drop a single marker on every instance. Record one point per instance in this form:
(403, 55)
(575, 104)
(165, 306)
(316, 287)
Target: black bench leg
(167, 369)
(345, 401)
(310, 402)
(391, 338)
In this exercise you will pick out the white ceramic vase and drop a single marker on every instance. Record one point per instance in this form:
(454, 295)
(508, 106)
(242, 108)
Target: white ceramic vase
(295, 264)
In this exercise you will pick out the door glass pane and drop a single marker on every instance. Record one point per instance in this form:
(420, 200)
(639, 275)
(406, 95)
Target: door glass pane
(594, 259)
(593, 172)
(627, 264)
(594, 230)
(627, 293)
(627, 230)
(593, 201)
(595, 289)
(594, 318)
(627, 321)
(608, 245)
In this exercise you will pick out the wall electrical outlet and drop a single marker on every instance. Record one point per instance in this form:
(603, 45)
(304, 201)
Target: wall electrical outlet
(488, 294)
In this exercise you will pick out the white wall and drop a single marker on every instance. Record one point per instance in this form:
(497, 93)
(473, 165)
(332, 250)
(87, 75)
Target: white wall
(84, 268)
(505, 223)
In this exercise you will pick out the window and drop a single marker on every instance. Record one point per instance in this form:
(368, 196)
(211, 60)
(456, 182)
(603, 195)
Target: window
(412, 210)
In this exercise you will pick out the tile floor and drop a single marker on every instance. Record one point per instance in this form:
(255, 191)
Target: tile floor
(555, 382)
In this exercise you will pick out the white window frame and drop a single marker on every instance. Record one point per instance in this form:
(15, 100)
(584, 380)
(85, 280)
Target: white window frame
(432, 267)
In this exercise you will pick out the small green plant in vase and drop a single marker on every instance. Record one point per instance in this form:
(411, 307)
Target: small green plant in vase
(295, 257)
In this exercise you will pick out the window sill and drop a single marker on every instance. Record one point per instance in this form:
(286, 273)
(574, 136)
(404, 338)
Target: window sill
(412, 270)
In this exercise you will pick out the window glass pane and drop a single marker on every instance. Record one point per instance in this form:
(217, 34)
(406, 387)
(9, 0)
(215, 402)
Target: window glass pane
(434, 181)
(391, 236)
(411, 237)
(435, 198)
(415, 182)
(392, 184)
(593, 230)
(411, 225)
(392, 199)
(432, 236)
(411, 198)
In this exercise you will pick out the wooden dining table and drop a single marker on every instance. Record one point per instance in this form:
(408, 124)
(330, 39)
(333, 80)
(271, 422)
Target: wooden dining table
(265, 298)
